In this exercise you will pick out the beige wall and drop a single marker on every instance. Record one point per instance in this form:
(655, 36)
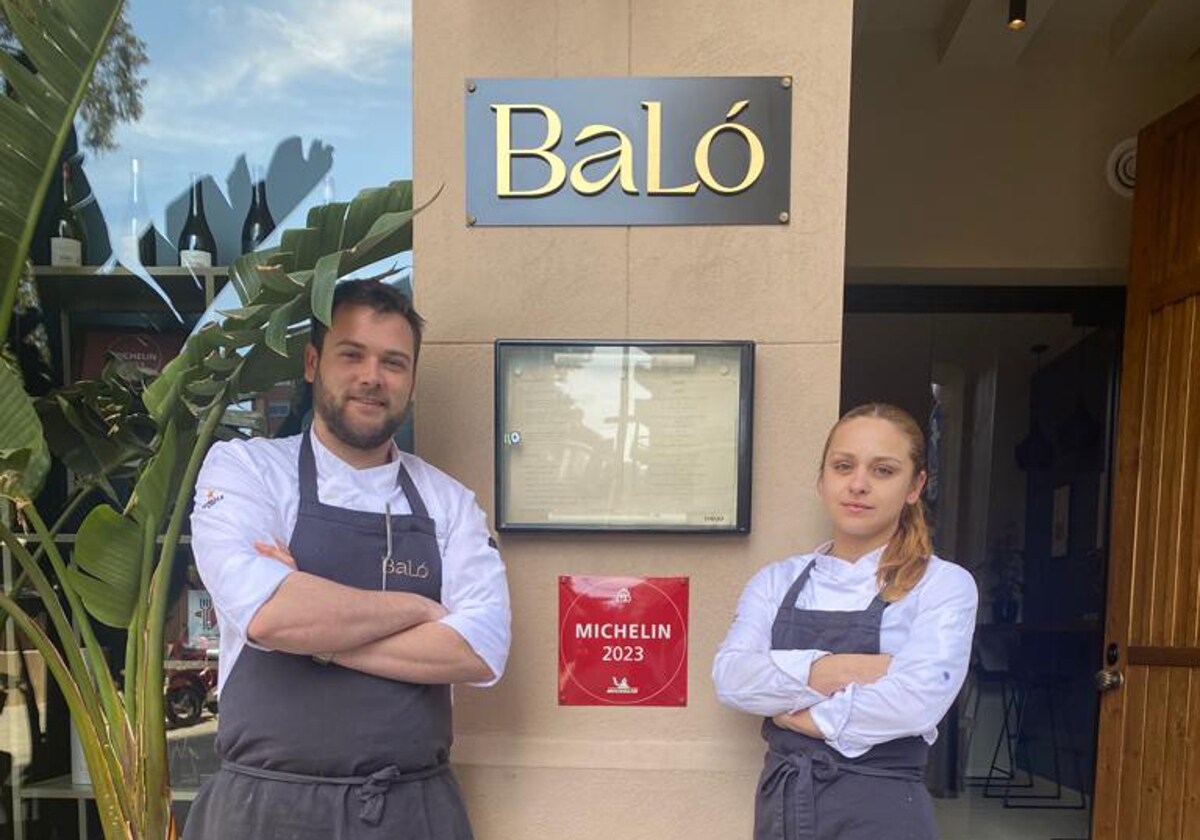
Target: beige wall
(958, 165)
(533, 769)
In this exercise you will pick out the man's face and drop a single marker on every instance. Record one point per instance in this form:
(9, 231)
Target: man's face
(363, 377)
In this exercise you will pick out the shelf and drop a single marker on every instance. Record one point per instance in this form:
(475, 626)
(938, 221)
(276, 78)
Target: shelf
(89, 271)
(87, 290)
(61, 787)
(69, 539)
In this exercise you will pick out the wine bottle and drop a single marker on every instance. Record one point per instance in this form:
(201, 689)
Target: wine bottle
(137, 243)
(68, 244)
(148, 246)
(258, 224)
(197, 248)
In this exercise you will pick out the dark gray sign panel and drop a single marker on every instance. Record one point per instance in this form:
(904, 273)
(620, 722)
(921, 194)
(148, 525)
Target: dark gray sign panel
(629, 151)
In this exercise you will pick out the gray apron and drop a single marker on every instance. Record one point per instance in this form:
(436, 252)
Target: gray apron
(319, 752)
(810, 791)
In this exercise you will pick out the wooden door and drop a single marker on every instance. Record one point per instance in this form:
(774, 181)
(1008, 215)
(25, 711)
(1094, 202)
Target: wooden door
(1148, 759)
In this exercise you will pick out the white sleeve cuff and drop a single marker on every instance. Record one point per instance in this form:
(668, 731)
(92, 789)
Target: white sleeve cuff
(482, 640)
(797, 664)
(831, 717)
(268, 576)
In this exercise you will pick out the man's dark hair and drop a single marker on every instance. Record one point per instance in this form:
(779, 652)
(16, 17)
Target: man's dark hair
(380, 298)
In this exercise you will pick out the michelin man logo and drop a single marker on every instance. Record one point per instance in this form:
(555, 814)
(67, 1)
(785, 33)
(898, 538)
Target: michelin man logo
(620, 685)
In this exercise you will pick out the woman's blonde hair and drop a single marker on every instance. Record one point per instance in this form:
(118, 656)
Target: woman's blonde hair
(907, 554)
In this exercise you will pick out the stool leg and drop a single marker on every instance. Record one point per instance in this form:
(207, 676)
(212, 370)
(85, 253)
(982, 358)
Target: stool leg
(1002, 737)
(1014, 705)
(1052, 710)
(986, 780)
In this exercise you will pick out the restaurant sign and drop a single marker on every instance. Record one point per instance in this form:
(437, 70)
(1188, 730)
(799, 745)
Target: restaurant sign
(622, 641)
(628, 151)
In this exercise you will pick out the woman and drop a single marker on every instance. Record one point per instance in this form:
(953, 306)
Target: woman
(853, 653)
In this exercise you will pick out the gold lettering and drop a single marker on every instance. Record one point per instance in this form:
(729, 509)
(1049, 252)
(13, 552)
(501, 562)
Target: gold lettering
(505, 152)
(757, 156)
(654, 155)
(623, 165)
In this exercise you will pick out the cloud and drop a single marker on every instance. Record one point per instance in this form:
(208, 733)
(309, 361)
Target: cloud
(212, 88)
(160, 124)
(356, 39)
(267, 48)
(273, 51)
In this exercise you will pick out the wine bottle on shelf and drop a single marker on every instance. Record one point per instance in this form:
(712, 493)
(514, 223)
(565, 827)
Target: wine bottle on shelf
(148, 246)
(68, 243)
(258, 224)
(137, 243)
(197, 248)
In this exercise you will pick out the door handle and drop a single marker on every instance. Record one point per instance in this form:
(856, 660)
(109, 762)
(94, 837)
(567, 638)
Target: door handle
(1107, 680)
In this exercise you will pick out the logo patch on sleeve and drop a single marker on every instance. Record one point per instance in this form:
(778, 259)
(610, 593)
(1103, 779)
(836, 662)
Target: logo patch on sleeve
(211, 497)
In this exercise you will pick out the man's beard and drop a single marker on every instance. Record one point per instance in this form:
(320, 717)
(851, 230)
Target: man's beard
(335, 418)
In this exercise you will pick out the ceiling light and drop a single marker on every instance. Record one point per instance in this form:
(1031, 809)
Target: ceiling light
(1016, 15)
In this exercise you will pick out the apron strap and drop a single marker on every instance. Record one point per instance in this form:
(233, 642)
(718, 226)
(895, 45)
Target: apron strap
(308, 469)
(789, 600)
(372, 788)
(797, 771)
(410, 492)
(878, 605)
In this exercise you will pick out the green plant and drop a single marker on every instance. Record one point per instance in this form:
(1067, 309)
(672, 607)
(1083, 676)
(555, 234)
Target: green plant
(121, 567)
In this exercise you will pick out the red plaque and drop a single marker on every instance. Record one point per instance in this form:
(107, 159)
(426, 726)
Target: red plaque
(149, 351)
(622, 641)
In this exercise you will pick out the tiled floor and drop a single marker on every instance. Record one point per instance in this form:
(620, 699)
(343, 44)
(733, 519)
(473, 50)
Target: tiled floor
(972, 817)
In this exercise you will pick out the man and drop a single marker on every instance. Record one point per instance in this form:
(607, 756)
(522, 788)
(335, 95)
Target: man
(354, 583)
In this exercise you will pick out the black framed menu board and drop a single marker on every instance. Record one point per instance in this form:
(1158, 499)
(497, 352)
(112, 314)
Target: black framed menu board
(623, 435)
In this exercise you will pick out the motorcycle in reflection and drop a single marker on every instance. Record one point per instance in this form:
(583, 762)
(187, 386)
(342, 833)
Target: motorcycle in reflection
(191, 684)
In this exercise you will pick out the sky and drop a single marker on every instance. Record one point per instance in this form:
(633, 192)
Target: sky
(232, 81)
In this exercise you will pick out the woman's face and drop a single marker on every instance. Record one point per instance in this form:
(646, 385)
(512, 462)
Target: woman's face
(865, 482)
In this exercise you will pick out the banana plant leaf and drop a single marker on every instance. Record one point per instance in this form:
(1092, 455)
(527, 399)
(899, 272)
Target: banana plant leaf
(100, 427)
(336, 240)
(63, 40)
(105, 570)
(154, 486)
(24, 458)
(264, 367)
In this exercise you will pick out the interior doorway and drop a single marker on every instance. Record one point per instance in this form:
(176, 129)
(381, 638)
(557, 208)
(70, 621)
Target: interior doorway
(1017, 389)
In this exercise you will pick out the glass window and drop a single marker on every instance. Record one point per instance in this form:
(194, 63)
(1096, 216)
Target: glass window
(315, 94)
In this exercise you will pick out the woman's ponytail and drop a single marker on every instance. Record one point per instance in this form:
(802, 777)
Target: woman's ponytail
(907, 554)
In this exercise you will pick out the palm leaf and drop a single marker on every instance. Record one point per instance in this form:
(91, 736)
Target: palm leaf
(24, 458)
(63, 39)
(105, 570)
